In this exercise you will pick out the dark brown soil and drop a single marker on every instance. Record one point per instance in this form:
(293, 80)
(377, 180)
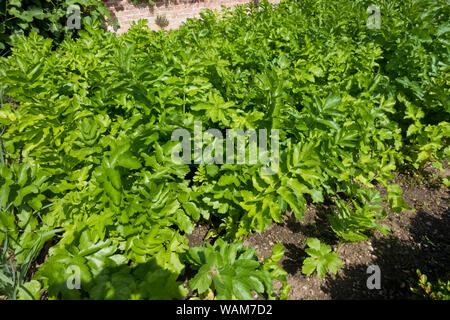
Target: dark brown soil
(418, 240)
(197, 238)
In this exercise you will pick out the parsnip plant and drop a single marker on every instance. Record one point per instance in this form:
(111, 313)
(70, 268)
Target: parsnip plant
(86, 137)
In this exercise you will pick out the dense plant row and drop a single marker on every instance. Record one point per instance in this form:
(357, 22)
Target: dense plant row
(86, 144)
(46, 17)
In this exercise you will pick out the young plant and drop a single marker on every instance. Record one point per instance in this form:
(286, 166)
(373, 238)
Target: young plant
(320, 259)
(230, 270)
(272, 265)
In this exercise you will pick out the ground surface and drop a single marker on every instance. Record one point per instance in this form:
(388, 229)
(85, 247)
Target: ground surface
(418, 240)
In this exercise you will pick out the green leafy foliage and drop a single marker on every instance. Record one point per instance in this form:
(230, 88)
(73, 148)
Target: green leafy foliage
(232, 271)
(351, 224)
(272, 265)
(13, 275)
(47, 17)
(320, 259)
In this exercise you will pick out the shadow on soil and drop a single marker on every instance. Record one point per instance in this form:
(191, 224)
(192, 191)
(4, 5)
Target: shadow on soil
(315, 225)
(427, 249)
(293, 255)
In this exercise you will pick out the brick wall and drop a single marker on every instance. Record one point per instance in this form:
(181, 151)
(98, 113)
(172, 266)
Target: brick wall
(176, 11)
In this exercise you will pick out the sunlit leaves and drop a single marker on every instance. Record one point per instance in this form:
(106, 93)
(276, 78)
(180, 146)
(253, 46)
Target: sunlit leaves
(230, 269)
(321, 259)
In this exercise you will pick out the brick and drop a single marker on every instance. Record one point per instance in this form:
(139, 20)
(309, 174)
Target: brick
(176, 11)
